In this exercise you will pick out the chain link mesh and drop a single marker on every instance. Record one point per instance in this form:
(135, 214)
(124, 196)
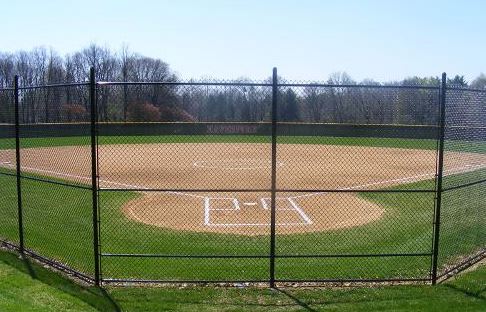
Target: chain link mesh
(56, 174)
(363, 194)
(185, 172)
(463, 230)
(8, 205)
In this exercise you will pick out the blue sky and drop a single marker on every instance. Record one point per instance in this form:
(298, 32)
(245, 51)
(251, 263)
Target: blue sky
(305, 39)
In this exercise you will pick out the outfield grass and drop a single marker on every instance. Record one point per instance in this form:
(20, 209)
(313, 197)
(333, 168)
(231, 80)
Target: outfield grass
(26, 286)
(58, 225)
(351, 141)
(427, 144)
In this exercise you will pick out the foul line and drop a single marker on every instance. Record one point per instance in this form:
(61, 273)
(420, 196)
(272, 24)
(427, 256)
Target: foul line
(411, 178)
(139, 188)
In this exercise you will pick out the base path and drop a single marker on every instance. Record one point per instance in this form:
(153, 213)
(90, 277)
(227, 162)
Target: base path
(209, 166)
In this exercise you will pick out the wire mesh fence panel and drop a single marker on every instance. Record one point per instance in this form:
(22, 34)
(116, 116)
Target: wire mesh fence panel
(184, 173)
(56, 174)
(190, 185)
(8, 204)
(353, 269)
(362, 184)
(463, 231)
(465, 136)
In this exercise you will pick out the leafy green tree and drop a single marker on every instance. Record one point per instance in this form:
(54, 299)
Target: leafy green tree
(457, 81)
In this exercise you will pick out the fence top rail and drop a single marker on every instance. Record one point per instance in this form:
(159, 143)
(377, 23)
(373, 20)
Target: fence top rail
(357, 86)
(243, 123)
(253, 84)
(244, 84)
(57, 85)
(453, 88)
(177, 83)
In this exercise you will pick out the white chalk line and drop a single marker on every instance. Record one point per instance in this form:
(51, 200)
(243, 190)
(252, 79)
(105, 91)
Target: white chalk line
(464, 169)
(264, 203)
(141, 188)
(303, 215)
(414, 178)
(255, 224)
(138, 188)
(294, 207)
(206, 211)
(236, 205)
(135, 187)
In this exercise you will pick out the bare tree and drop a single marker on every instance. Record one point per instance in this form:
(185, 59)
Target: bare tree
(479, 82)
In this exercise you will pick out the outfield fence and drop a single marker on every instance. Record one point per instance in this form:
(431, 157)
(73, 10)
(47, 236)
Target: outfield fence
(244, 182)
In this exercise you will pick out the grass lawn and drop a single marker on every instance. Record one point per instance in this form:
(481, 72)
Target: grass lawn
(71, 141)
(58, 225)
(26, 286)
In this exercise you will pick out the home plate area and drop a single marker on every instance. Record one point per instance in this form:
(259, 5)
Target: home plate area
(233, 212)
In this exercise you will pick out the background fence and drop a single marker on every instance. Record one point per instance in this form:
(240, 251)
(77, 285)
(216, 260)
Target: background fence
(341, 182)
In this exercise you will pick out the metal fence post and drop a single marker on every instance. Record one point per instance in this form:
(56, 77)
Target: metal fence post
(440, 174)
(94, 173)
(18, 168)
(274, 176)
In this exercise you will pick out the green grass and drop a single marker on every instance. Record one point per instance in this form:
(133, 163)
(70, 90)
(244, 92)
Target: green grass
(351, 141)
(58, 225)
(461, 146)
(26, 286)
(21, 288)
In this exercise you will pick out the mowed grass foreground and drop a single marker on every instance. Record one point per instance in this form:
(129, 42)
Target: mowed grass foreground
(58, 224)
(26, 286)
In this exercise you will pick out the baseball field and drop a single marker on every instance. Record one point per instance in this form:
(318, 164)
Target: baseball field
(175, 207)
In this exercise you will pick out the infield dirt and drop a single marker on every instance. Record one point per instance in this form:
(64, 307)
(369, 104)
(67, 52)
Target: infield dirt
(302, 170)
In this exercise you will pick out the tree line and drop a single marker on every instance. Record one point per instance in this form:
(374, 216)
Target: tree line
(344, 100)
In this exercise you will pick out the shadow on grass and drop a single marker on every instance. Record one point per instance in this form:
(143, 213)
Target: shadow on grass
(478, 294)
(96, 297)
(297, 301)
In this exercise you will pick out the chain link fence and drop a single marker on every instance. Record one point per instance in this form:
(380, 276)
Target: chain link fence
(463, 221)
(271, 181)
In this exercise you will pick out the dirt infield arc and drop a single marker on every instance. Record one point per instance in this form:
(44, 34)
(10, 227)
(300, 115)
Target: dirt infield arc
(244, 166)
